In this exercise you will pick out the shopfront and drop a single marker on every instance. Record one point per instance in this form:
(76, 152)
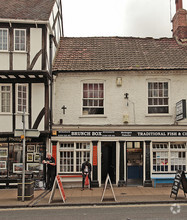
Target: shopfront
(11, 159)
(131, 158)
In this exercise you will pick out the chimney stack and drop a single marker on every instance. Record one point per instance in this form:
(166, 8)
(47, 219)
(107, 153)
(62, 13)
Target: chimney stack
(180, 21)
(178, 4)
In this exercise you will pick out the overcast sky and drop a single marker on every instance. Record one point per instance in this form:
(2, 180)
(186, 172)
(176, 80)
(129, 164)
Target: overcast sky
(137, 18)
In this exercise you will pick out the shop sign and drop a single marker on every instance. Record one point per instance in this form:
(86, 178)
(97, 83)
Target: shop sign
(122, 133)
(181, 110)
(94, 155)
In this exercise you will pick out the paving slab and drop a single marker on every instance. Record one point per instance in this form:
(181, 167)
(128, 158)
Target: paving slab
(74, 196)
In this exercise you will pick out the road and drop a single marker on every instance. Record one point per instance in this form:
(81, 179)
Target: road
(126, 212)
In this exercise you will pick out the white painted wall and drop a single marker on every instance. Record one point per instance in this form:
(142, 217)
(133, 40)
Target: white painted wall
(36, 46)
(19, 61)
(19, 123)
(68, 91)
(37, 103)
(5, 122)
(4, 61)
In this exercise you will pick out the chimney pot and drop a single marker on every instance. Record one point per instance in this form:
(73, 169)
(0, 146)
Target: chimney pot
(178, 4)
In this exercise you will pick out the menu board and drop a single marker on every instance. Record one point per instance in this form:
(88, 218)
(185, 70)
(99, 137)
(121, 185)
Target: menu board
(180, 178)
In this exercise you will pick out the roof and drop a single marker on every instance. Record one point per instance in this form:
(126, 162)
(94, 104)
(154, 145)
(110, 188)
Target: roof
(119, 53)
(26, 9)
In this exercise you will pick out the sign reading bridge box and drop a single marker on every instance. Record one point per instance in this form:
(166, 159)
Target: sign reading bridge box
(181, 110)
(121, 134)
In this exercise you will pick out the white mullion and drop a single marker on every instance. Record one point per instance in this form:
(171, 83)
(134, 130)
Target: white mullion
(144, 158)
(169, 157)
(151, 158)
(74, 159)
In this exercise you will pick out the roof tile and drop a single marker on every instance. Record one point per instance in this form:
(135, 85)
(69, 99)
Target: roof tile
(26, 9)
(119, 53)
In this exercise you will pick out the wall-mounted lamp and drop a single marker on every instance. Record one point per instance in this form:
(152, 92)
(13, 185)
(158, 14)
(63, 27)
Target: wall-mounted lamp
(126, 95)
(119, 81)
(64, 109)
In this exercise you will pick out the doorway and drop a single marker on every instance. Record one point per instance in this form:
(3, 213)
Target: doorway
(108, 161)
(134, 163)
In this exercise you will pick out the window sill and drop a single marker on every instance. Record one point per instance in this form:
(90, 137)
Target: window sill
(4, 51)
(20, 51)
(4, 113)
(158, 115)
(21, 113)
(93, 116)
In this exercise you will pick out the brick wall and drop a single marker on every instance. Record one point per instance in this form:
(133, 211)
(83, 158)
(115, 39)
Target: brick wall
(180, 24)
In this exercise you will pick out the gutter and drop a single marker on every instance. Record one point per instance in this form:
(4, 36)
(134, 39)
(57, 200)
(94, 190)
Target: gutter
(23, 21)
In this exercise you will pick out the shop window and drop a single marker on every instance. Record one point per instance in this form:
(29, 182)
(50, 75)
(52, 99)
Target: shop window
(3, 159)
(160, 161)
(93, 99)
(178, 156)
(5, 98)
(82, 154)
(72, 155)
(3, 39)
(11, 159)
(158, 98)
(15, 159)
(161, 158)
(19, 40)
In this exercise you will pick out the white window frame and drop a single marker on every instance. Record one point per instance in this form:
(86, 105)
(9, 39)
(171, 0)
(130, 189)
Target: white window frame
(169, 150)
(74, 150)
(1, 85)
(168, 97)
(17, 109)
(20, 43)
(4, 29)
(84, 114)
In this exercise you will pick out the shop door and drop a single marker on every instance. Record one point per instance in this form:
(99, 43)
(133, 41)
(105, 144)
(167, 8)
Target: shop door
(108, 161)
(134, 163)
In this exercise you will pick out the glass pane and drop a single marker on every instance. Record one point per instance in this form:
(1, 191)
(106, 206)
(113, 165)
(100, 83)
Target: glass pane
(85, 86)
(90, 86)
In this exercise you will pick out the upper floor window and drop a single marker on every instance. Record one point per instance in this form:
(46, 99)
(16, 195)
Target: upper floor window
(93, 98)
(3, 39)
(19, 40)
(158, 100)
(5, 98)
(22, 98)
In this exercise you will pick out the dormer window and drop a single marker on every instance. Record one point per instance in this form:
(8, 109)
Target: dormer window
(20, 40)
(3, 39)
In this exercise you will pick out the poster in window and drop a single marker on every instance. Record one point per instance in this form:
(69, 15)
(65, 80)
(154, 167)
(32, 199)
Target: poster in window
(2, 165)
(36, 158)
(36, 167)
(17, 167)
(3, 152)
(29, 157)
(30, 148)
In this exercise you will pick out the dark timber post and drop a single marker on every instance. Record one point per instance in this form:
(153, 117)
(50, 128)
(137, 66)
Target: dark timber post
(121, 181)
(95, 182)
(147, 181)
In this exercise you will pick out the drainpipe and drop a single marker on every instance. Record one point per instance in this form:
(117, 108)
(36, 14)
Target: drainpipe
(51, 83)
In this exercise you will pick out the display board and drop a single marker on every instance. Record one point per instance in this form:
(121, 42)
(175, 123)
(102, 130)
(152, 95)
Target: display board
(180, 178)
(58, 182)
(106, 182)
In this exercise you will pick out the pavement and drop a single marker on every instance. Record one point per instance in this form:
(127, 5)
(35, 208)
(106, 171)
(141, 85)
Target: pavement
(76, 197)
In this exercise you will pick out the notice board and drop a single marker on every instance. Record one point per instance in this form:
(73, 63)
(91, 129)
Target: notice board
(61, 189)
